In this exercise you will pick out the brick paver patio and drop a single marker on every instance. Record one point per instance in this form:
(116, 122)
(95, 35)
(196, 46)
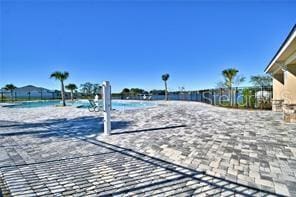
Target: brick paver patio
(177, 148)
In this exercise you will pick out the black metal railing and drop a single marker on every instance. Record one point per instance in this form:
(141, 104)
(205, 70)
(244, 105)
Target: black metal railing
(8, 96)
(237, 97)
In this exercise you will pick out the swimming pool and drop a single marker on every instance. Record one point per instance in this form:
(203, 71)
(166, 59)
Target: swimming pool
(116, 104)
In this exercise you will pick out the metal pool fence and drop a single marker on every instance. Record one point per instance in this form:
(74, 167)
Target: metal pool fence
(237, 97)
(7, 96)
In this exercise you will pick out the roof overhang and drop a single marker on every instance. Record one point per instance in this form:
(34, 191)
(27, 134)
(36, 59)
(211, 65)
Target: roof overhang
(285, 55)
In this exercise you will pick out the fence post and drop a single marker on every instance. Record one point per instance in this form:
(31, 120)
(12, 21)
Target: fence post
(220, 98)
(236, 104)
(249, 92)
(201, 96)
(230, 97)
(261, 97)
(213, 97)
(195, 95)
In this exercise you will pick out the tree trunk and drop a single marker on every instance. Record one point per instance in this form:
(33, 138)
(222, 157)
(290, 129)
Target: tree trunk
(166, 90)
(72, 95)
(63, 93)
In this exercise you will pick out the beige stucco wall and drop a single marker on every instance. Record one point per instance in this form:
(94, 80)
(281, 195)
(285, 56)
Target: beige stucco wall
(284, 85)
(289, 93)
(278, 89)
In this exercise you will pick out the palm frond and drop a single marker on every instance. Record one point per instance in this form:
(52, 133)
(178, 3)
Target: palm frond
(165, 77)
(59, 75)
(71, 86)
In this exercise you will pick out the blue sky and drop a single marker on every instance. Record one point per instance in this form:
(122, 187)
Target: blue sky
(131, 43)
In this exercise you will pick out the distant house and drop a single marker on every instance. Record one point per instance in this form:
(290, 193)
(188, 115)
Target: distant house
(32, 92)
(282, 68)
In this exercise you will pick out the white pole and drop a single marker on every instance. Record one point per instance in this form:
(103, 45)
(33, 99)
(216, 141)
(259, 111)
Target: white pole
(107, 107)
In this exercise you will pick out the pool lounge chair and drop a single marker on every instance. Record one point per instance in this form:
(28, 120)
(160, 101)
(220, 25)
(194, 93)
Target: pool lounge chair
(94, 107)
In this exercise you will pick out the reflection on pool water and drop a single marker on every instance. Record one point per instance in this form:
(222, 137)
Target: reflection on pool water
(118, 105)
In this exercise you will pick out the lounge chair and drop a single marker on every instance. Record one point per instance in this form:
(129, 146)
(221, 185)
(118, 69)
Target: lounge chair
(93, 107)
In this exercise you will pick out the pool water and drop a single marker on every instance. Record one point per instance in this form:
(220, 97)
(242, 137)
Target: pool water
(118, 105)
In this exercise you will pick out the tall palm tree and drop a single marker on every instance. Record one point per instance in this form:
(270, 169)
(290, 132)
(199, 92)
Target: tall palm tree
(10, 87)
(165, 77)
(71, 87)
(61, 76)
(229, 76)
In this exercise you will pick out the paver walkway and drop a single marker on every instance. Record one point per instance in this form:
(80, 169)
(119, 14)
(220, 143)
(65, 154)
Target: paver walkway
(255, 148)
(82, 167)
(227, 151)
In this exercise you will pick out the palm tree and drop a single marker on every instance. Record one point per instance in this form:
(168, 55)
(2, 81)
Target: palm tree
(165, 77)
(61, 77)
(229, 76)
(10, 87)
(71, 87)
(261, 80)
